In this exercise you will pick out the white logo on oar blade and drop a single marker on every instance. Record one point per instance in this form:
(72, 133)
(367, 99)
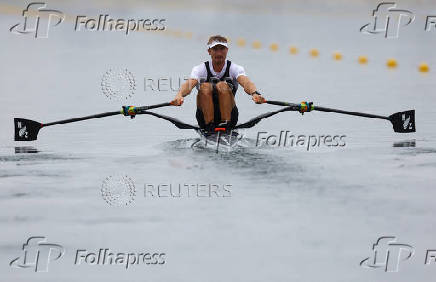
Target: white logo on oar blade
(22, 130)
(406, 121)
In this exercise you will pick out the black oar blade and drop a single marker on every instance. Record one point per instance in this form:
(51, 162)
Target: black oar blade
(403, 122)
(26, 129)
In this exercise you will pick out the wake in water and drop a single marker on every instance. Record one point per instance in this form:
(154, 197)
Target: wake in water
(216, 142)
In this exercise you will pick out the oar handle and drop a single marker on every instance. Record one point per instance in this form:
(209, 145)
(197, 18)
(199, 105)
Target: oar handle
(144, 108)
(279, 103)
(132, 110)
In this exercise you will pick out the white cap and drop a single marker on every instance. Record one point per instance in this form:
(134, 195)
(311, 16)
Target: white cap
(215, 43)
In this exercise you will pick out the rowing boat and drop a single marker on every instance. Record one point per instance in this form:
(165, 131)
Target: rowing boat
(219, 139)
(402, 122)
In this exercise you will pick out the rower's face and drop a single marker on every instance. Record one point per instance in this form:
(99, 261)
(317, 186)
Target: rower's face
(218, 53)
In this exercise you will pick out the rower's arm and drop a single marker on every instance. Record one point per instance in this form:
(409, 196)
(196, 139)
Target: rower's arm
(186, 87)
(185, 90)
(248, 85)
(250, 89)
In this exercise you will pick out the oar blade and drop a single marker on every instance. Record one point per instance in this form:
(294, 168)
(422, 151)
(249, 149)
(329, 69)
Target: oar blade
(403, 122)
(26, 129)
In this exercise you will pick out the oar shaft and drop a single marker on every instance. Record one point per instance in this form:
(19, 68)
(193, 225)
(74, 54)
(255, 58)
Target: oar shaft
(323, 109)
(107, 114)
(83, 118)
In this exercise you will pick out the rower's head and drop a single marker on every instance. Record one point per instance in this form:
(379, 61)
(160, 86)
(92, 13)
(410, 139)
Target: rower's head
(217, 48)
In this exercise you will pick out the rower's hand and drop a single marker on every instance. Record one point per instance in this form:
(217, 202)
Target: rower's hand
(178, 100)
(258, 99)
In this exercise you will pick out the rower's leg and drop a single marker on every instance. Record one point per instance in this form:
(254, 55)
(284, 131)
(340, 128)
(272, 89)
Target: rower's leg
(226, 100)
(205, 102)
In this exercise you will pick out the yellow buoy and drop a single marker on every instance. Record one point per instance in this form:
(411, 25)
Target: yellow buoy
(274, 47)
(293, 50)
(337, 56)
(423, 67)
(314, 52)
(362, 60)
(241, 42)
(391, 63)
(257, 45)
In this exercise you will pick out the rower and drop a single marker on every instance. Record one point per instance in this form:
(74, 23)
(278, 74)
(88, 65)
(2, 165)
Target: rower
(217, 82)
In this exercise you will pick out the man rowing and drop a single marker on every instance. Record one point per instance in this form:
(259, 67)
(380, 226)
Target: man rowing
(217, 82)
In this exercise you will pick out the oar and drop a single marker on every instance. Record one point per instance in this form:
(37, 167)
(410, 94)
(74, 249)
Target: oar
(27, 130)
(402, 122)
